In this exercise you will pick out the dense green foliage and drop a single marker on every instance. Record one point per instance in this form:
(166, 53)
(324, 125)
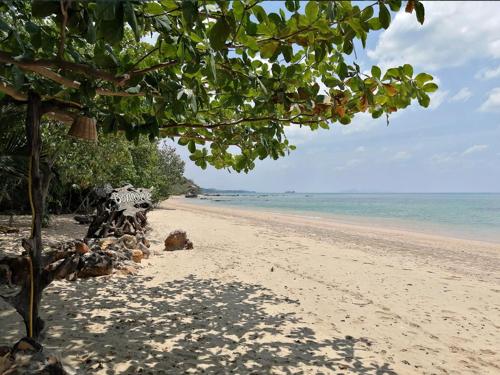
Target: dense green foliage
(81, 166)
(223, 78)
(73, 168)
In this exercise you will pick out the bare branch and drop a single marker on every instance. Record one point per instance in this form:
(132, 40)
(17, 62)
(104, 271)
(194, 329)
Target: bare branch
(152, 68)
(82, 68)
(293, 120)
(12, 92)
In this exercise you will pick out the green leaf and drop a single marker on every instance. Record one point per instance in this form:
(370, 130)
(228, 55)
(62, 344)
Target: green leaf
(342, 70)
(408, 69)
(424, 100)
(152, 7)
(218, 34)
(420, 10)
(348, 47)
(374, 24)
(384, 16)
(376, 72)
(128, 9)
(367, 13)
(238, 9)
(319, 52)
(112, 30)
(290, 5)
(421, 78)
(395, 5)
(189, 12)
(287, 52)
(267, 50)
(106, 10)
(312, 10)
(430, 87)
(259, 13)
(191, 146)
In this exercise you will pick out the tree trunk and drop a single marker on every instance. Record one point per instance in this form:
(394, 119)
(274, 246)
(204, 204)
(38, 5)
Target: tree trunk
(31, 299)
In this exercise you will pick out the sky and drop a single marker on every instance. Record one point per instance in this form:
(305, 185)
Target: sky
(453, 146)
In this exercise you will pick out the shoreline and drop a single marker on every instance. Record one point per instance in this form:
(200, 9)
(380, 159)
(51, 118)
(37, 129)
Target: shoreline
(355, 222)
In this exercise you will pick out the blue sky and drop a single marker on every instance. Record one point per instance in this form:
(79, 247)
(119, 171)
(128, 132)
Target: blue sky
(453, 146)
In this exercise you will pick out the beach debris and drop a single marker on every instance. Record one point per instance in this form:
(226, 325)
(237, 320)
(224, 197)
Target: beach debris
(28, 357)
(27, 344)
(81, 247)
(177, 240)
(272, 269)
(120, 211)
(137, 255)
(5, 362)
(96, 264)
(120, 225)
(84, 219)
(6, 229)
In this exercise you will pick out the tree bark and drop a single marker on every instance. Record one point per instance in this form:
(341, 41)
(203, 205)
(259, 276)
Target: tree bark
(34, 244)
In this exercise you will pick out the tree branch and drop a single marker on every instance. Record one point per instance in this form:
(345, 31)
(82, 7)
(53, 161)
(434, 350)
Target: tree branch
(86, 70)
(12, 92)
(152, 68)
(248, 119)
(64, 10)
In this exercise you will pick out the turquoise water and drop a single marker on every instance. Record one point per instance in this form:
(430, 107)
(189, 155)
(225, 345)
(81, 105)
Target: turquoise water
(474, 216)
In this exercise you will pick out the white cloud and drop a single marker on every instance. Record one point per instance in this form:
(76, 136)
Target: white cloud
(486, 74)
(437, 98)
(456, 157)
(444, 158)
(360, 149)
(351, 163)
(362, 122)
(401, 155)
(299, 135)
(462, 95)
(452, 34)
(474, 149)
(492, 104)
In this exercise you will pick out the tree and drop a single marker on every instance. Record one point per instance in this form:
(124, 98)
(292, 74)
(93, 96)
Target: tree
(223, 78)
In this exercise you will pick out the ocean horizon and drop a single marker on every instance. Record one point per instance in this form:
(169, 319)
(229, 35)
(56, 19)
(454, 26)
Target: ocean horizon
(462, 215)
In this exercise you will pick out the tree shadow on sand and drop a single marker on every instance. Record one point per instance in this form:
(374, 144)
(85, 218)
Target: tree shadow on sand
(122, 325)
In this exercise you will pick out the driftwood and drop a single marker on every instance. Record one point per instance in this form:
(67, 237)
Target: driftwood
(121, 211)
(74, 259)
(27, 357)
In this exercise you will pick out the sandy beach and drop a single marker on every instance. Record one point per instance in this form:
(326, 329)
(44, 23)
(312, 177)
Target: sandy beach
(266, 293)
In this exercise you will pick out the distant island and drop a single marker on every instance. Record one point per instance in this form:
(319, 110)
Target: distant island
(220, 191)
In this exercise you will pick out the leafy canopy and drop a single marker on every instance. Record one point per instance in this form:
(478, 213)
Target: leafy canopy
(223, 78)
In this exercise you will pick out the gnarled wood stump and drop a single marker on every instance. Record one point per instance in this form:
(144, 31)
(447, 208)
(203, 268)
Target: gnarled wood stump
(121, 211)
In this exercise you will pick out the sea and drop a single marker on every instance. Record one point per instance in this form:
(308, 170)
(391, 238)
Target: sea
(462, 215)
